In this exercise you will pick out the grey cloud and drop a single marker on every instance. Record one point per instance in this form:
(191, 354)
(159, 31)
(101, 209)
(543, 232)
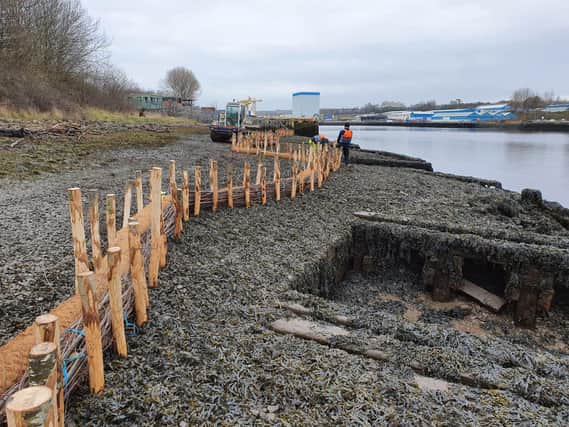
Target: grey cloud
(353, 52)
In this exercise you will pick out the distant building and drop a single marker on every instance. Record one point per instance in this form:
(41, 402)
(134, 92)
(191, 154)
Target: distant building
(146, 101)
(398, 116)
(556, 108)
(481, 113)
(371, 117)
(306, 104)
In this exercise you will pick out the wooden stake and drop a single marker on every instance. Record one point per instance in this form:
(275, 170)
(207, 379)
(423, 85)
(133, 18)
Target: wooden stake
(111, 219)
(92, 329)
(294, 179)
(247, 184)
(115, 300)
(259, 172)
(78, 233)
(42, 371)
(173, 188)
(213, 184)
(156, 237)
(311, 178)
(46, 329)
(230, 186)
(127, 204)
(264, 186)
(277, 179)
(139, 195)
(137, 273)
(30, 407)
(164, 242)
(186, 195)
(94, 228)
(197, 190)
(178, 214)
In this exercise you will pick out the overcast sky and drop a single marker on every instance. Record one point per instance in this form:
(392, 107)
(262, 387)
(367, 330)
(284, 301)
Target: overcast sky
(353, 52)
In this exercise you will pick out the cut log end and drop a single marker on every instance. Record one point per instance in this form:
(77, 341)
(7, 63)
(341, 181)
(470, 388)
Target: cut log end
(29, 400)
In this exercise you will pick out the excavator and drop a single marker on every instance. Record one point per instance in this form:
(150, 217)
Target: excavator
(236, 118)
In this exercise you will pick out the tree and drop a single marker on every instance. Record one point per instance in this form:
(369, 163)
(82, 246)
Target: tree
(52, 53)
(549, 97)
(425, 105)
(525, 99)
(368, 108)
(182, 83)
(392, 106)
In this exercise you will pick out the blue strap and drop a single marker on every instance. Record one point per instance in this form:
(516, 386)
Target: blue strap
(64, 371)
(135, 329)
(76, 331)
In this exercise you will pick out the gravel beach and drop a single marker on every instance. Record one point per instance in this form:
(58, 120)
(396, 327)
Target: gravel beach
(207, 354)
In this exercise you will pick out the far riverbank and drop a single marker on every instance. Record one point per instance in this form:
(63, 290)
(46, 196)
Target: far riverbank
(537, 126)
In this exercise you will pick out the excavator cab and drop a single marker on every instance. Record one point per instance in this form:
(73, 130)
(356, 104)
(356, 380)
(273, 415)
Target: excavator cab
(234, 114)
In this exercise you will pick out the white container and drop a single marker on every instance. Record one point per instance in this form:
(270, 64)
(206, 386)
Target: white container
(306, 104)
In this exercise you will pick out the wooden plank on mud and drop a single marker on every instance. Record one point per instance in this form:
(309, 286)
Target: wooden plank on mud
(307, 329)
(482, 295)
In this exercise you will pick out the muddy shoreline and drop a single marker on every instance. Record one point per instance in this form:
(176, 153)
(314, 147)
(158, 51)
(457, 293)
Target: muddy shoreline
(208, 353)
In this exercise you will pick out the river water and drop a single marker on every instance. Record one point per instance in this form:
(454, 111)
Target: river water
(518, 160)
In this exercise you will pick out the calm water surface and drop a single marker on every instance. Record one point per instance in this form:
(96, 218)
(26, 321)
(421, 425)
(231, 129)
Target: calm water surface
(518, 160)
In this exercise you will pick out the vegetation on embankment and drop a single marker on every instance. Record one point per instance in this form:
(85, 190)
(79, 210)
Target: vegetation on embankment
(29, 116)
(29, 157)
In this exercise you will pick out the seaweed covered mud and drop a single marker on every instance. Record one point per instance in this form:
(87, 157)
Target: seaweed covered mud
(286, 315)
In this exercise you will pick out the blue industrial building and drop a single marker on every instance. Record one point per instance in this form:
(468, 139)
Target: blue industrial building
(556, 108)
(483, 113)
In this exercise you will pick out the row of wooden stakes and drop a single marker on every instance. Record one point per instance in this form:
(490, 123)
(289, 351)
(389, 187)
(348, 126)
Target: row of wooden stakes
(123, 266)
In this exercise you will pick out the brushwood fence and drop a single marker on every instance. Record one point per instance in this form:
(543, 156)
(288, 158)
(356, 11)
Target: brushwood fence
(42, 365)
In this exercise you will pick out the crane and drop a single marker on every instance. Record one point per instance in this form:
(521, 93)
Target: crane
(250, 105)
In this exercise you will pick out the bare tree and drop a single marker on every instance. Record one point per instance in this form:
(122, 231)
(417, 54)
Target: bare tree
(52, 51)
(182, 83)
(521, 99)
(549, 97)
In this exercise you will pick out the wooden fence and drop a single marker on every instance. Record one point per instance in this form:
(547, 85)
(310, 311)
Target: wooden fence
(41, 366)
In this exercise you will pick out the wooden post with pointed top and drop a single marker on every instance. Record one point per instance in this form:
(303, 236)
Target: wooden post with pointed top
(197, 190)
(259, 172)
(230, 185)
(137, 273)
(277, 179)
(139, 195)
(180, 202)
(173, 188)
(264, 186)
(92, 329)
(111, 219)
(294, 179)
(155, 220)
(127, 203)
(178, 214)
(78, 233)
(186, 196)
(46, 329)
(115, 300)
(213, 184)
(247, 184)
(163, 242)
(30, 407)
(93, 197)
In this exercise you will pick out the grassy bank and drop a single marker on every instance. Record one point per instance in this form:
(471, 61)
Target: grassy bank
(87, 114)
(30, 158)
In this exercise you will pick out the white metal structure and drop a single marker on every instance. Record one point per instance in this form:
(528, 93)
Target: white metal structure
(306, 104)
